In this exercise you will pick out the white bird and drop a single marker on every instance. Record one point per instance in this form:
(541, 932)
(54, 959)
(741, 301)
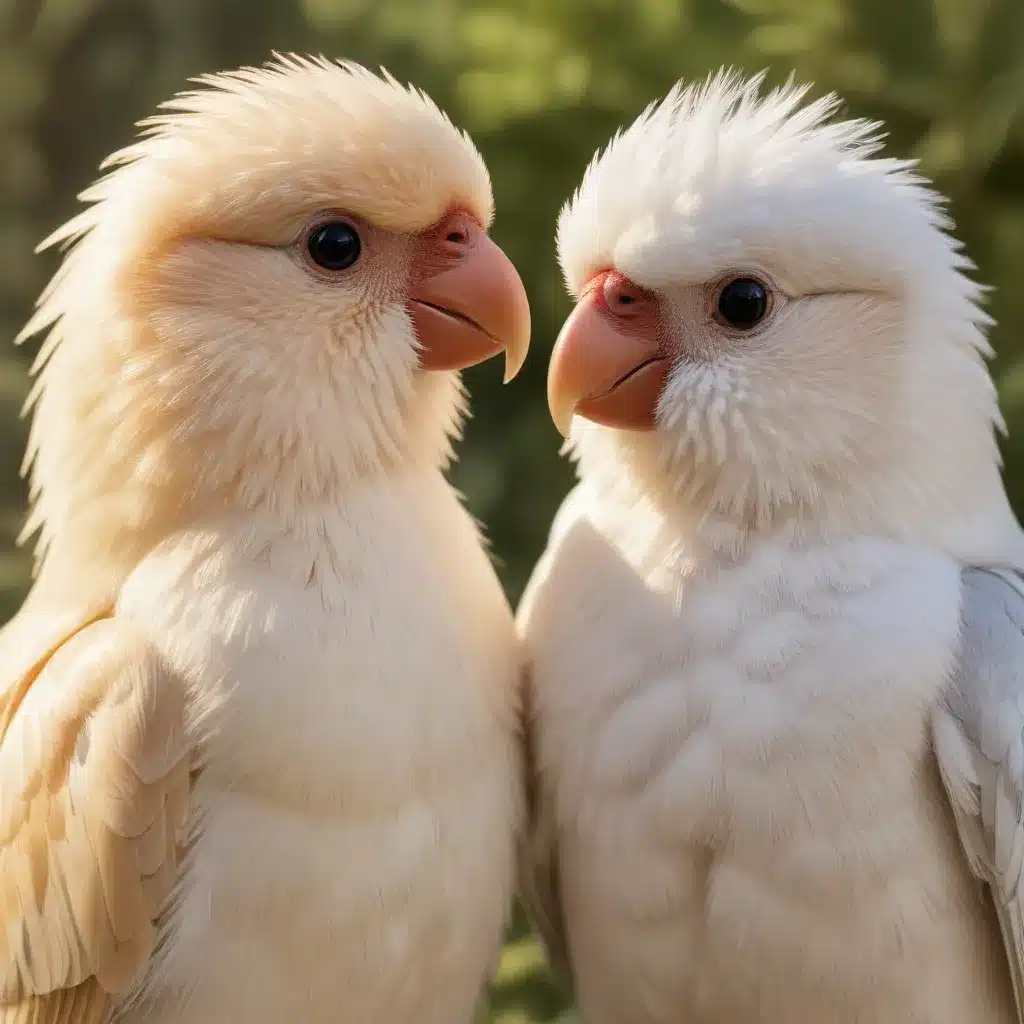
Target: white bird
(777, 639)
(259, 752)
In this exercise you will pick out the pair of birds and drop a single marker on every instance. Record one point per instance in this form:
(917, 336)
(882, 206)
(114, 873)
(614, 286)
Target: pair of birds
(262, 751)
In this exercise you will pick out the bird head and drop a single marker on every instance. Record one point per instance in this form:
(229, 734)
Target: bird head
(774, 324)
(267, 299)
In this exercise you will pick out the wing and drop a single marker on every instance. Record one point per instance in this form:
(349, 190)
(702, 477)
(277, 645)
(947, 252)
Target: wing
(539, 879)
(94, 786)
(978, 733)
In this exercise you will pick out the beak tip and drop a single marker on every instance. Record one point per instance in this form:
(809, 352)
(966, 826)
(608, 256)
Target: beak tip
(512, 368)
(561, 406)
(562, 419)
(515, 357)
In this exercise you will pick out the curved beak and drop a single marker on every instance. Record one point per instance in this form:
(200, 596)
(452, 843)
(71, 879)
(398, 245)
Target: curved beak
(471, 309)
(608, 364)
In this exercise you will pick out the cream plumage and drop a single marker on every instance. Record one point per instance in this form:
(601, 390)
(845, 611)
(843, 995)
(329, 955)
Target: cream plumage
(776, 670)
(258, 715)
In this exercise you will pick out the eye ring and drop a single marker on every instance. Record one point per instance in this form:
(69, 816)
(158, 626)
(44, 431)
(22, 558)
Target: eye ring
(332, 245)
(742, 302)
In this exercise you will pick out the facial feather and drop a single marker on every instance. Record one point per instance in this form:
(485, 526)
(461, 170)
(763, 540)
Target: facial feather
(194, 361)
(859, 400)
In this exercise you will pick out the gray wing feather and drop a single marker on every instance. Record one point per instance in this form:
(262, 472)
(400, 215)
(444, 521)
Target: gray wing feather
(978, 733)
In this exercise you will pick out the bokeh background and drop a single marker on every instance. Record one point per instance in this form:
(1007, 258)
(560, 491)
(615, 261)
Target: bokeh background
(540, 84)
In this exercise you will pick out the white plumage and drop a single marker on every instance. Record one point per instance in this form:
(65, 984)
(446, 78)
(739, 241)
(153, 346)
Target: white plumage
(752, 606)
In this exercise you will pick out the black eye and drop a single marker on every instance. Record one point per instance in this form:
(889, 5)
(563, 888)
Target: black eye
(743, 303)
(334, 245)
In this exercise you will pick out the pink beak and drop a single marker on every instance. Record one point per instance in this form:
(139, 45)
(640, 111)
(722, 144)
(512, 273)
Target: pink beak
(609, 364)
(474, 306)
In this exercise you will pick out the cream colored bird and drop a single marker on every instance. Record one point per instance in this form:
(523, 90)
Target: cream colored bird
(258, 715)
(777, 637)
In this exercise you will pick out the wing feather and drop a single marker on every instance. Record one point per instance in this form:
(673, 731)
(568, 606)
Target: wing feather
(85, 1004)
(978, 735)
(94, 787)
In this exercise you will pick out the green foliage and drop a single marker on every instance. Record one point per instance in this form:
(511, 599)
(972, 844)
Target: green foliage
(540, 84)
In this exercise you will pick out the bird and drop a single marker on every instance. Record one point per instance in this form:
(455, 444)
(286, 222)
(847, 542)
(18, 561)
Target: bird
(259, 712)
(774, 646)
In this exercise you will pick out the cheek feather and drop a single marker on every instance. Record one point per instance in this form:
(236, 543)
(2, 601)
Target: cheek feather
(704, 410)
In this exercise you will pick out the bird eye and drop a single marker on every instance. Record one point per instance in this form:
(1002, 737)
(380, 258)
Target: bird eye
(334, 245)
(742, 303)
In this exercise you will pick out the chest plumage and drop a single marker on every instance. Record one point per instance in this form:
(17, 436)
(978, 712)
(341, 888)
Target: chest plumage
(744, 789)
(362, 846)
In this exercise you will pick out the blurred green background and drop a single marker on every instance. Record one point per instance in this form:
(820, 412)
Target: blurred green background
(540, 84)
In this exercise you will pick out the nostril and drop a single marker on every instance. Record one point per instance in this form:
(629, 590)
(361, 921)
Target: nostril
(457, 230)
(621, 295)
